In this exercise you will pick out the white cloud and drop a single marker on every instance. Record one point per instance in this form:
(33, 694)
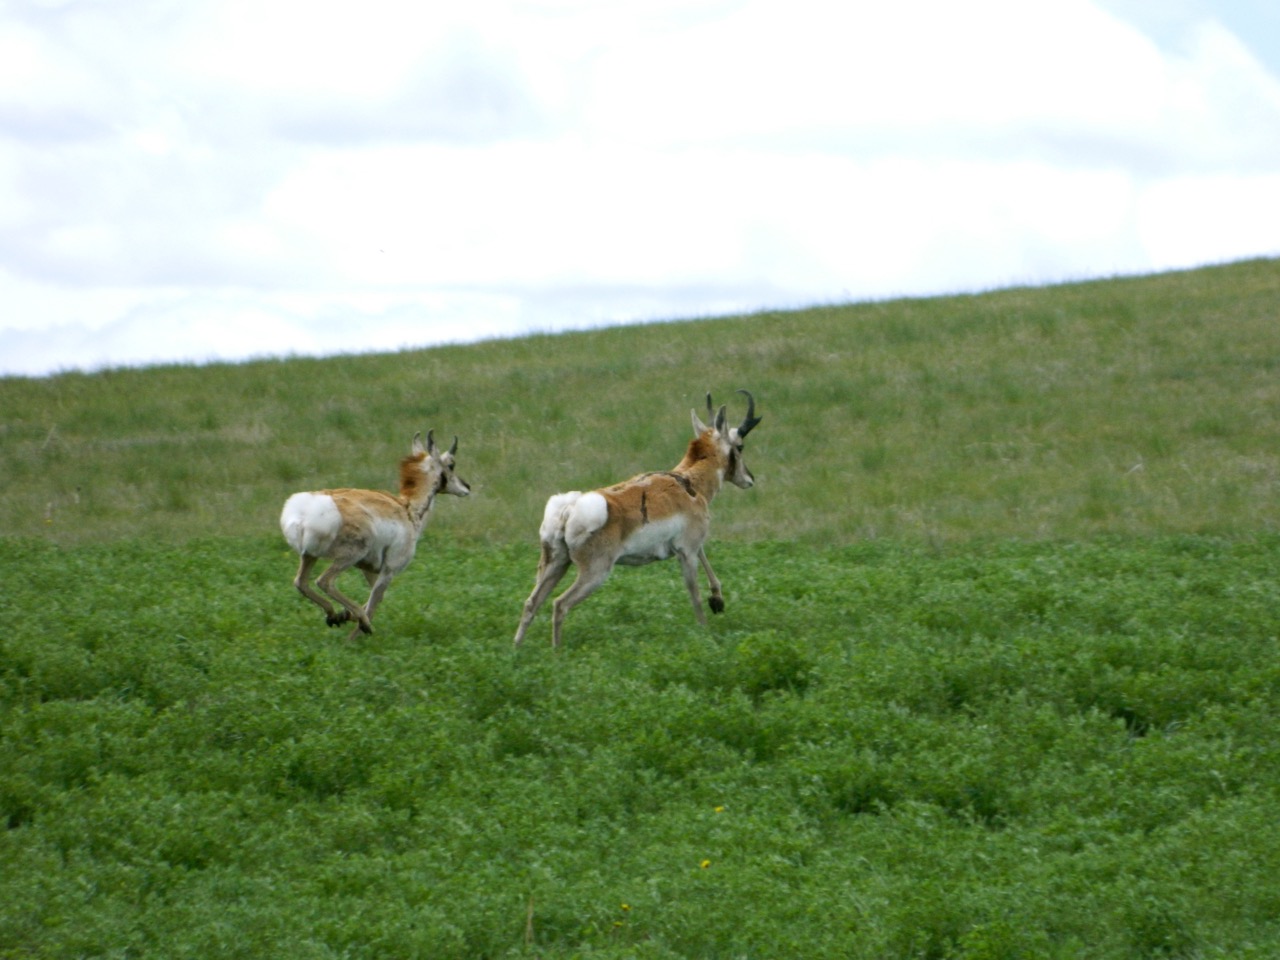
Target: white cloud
(1224, 104)
(210, 180)
(1186, 221)
(771, 70)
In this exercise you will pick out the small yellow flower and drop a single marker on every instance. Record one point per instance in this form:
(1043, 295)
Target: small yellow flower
(719, 809)
(704, 864)
(626, 906)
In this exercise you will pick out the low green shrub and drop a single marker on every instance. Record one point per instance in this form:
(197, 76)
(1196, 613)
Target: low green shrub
(1068, 750)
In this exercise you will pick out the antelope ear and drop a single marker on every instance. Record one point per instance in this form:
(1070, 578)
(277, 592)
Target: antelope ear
(699, 428)
(417, 444)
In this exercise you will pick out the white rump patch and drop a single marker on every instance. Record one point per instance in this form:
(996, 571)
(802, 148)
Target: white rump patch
(310, 523)
(588, 514)
(556, 515)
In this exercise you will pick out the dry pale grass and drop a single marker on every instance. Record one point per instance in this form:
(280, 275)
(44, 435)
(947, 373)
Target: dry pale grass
(1131, 406)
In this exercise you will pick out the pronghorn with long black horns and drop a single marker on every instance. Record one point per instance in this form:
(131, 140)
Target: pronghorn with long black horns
(375, 532)
(650, 517)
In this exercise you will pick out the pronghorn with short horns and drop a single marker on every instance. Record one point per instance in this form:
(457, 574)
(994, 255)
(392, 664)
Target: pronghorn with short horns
(649, 517)
(374, 531)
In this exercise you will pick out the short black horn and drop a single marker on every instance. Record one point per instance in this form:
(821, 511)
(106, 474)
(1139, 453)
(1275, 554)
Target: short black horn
(749, 422)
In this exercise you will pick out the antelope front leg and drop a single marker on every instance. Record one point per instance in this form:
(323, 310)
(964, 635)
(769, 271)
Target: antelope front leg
(376, 586)
(378, 583)
(717, 598)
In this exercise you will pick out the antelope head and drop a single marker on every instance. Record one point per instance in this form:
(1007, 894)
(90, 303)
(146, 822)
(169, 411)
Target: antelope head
(728, 440)
(440, 463)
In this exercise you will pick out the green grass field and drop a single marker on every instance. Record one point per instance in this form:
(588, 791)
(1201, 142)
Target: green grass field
(1127, 406)
(998, 676)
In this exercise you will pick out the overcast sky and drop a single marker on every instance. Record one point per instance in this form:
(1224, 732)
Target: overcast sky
(186, 180)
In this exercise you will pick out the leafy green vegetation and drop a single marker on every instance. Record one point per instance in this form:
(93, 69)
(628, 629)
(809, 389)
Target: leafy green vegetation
(998, 676)
(1018, 750)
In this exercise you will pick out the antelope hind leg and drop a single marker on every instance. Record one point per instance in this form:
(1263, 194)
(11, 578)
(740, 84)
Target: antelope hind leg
(584, 585)
(550, 571)
(303, 582)
(690, 572)
(350, 609)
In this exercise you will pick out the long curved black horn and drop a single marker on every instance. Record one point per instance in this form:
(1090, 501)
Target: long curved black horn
(749, 422)
(454, 448)
(711, 411)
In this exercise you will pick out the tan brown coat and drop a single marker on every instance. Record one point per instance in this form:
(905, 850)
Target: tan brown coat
(650, 517)
(374, 531)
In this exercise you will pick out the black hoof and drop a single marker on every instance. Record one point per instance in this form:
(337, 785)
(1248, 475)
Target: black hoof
(366, 628)
(717, 604)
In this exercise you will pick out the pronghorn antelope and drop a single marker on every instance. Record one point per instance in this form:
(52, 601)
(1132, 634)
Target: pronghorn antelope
(374, 531)
(647, 518)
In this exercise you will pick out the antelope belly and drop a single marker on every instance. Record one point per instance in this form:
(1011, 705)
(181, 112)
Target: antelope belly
(653, 541)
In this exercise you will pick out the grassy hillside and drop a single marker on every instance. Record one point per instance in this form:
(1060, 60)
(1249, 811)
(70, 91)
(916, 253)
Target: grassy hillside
(1145, 405)
(998, 677)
